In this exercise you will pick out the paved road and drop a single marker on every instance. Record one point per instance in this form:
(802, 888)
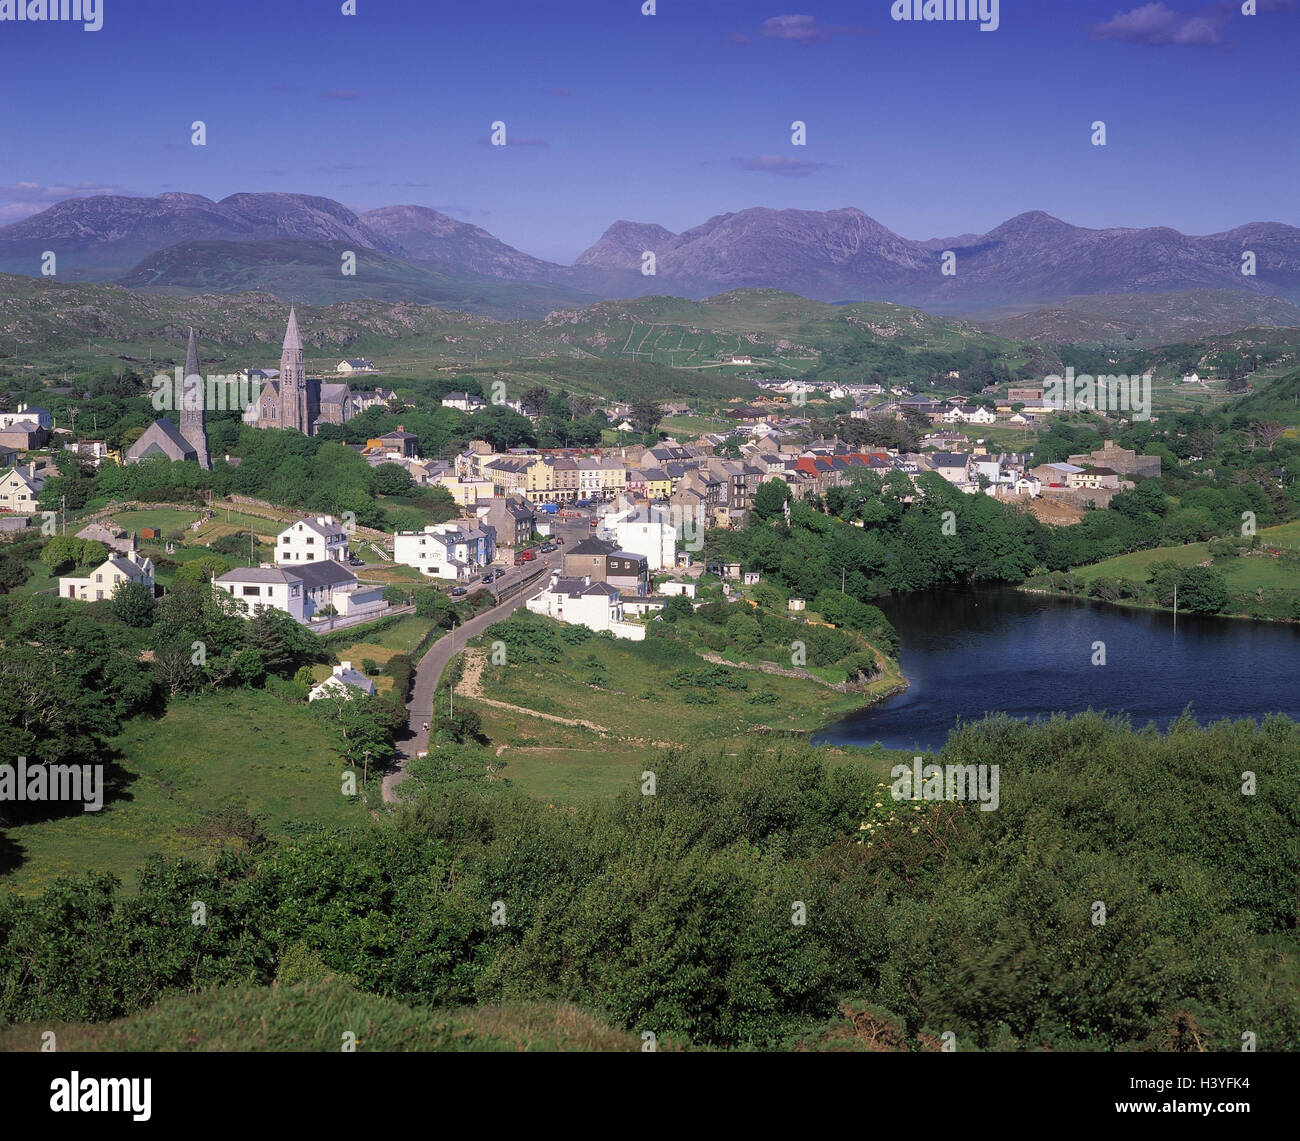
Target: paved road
(429, 670)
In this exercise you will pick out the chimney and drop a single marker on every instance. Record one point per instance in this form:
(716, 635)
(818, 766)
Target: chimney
(31, 469)
(342, 668)
(1108, 445)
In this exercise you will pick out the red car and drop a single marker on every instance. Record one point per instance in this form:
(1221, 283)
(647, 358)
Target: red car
(528, 556)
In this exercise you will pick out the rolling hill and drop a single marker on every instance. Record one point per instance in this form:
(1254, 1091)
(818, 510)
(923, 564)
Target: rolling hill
(308, 272)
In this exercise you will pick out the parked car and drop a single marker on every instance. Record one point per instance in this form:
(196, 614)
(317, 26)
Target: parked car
(558, 540)
(528, 556)
(457, 591)
(547, 548)
(592, 523)
(519, 560)
(353, 561)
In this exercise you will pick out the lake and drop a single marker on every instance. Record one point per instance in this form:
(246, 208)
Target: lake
(968, 652)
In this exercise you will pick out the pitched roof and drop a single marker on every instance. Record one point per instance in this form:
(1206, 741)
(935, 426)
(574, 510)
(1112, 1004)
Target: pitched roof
(327, 572)
(258, 574)
(166, 437)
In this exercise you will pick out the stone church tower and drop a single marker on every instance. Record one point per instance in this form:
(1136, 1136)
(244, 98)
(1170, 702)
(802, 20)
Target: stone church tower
(293, 380)
(193, 424)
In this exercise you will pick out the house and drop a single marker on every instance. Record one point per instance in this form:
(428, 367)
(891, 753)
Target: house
(602, 561)
(96, 451)
(1055, 475)
(341, 682)
(111, 535)
(1122, 460)
(457, 549)
(39, 416)
(400, 443)
(23, 436)
(266, 586)
(648, 531)
(1024, 395)
(303, 592)
(511, 517)
(360, 364)
(686, 589)
(311, 540)
(969, 414)
(743, 359)
(464, 401)
(466, 492)
(19, 487)
(1094, 477)
(104, 580)
(582, 602)
(951, 465)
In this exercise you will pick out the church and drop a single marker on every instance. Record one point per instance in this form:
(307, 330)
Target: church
(296, 401)
(190, 440)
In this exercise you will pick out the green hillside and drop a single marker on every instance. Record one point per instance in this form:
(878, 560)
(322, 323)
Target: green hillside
(311, 273)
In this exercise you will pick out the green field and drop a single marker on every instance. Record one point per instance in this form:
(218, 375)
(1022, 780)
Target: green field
(235, 749)
(1242, 574)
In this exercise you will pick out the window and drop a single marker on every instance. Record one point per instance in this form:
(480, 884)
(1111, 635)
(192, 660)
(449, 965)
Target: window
(252, 590)
(99, 578)
(99, 594)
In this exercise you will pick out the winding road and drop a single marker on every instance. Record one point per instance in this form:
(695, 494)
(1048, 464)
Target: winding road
(429, 671)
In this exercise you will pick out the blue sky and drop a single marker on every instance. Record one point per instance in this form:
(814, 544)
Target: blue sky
(934, 129)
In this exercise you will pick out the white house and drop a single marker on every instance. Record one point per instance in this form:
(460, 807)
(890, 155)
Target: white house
(457, 549)
(340, 682)
(968, 414)
(311, 540)
(303, 592)
(686, 589)
(38, 416)
(581, 602)
(645, 530)
(464, 401)
(360, 364)
(104, 580)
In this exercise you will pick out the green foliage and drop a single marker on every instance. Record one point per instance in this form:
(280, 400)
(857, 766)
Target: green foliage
(950, 917)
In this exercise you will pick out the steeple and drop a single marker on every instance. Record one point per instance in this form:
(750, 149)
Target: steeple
(193, 424)
(293, 380)
(292, 341)
(192, 357)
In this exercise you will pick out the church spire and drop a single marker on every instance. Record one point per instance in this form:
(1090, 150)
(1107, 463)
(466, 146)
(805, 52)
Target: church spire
(292, 341)
(192, 357)
(193, 424)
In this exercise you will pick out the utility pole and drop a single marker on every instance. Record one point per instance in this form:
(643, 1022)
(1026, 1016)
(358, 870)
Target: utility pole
(843, 573)
(63, 510)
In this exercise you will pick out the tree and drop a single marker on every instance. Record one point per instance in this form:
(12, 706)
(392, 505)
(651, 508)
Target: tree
(645, 416)
(1203, 590)
(391, 479)
(533, 401)
(133, 604)
(770, 498)
(678, 606)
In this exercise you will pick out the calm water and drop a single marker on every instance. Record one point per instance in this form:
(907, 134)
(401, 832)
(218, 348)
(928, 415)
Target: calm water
(966, 653)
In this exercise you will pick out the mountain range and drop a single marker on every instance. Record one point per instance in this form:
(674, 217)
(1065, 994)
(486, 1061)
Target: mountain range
(188, 243)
